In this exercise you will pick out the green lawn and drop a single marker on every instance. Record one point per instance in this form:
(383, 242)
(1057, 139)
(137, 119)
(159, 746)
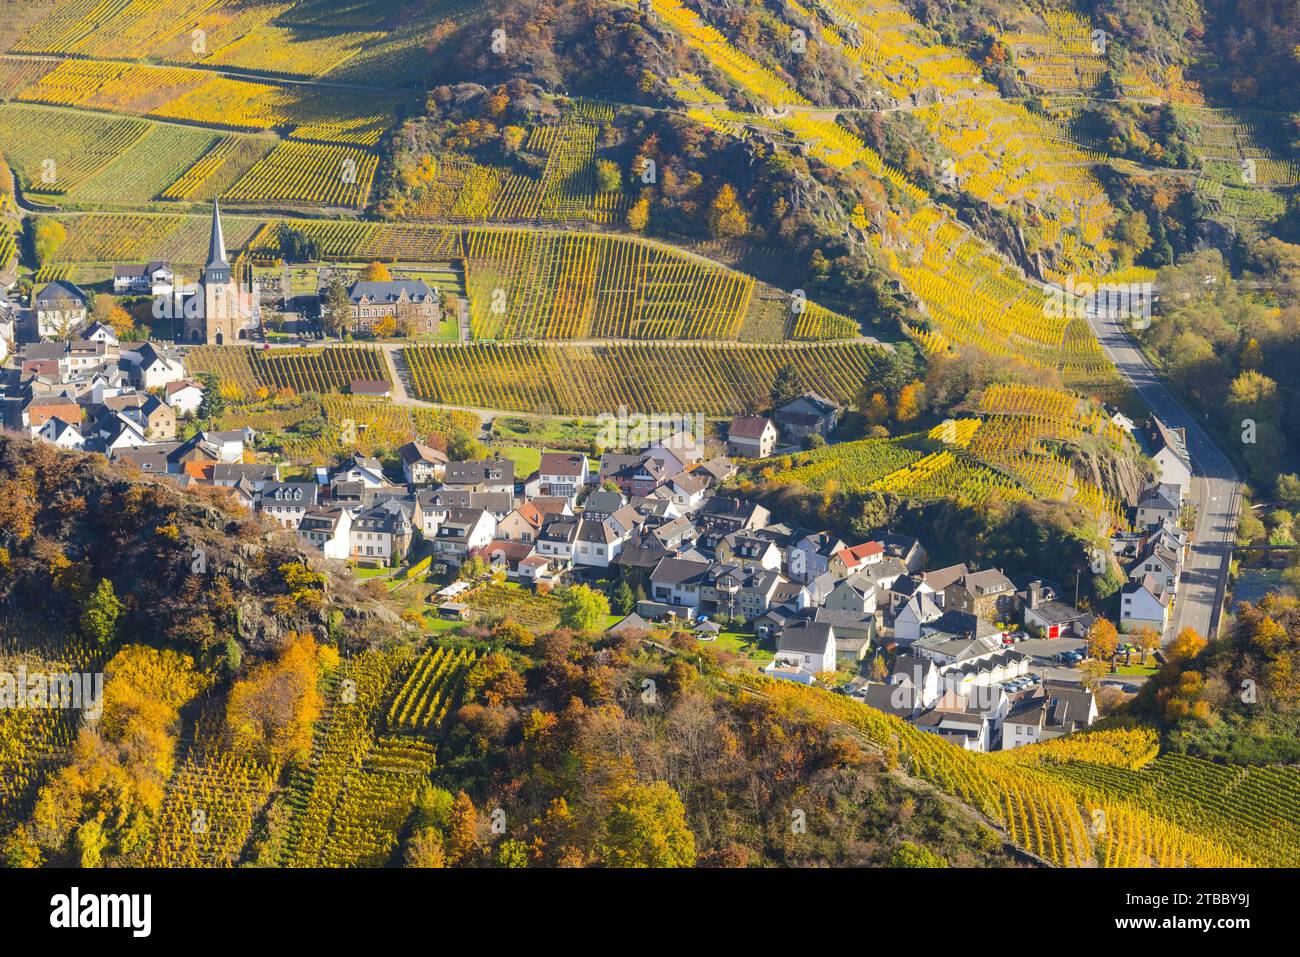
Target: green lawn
(745, 644)
(526, 459)
(1137, 668)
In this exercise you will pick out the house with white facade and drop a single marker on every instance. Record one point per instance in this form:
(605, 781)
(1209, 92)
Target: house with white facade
(1146, 603)
(804, 650)
(327, 531)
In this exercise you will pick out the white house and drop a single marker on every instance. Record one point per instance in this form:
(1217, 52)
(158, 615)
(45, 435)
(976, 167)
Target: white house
(368, 471)
(327, 530)
(1146, 603)
(101, 332)
(1161, 563)
(62, 434)
(286, 503)
(184, 395)
(462, 531)
(751, 437)
(677, 581)
(598, 543)
(1159, 503)
(562, 474)
(558, 538)
(1050, 711)
(919, 610)
(1168, 450)
(152, 368)
(804, 649)
(60, 309)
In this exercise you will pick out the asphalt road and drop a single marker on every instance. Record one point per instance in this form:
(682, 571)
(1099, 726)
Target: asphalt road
(1216, 487)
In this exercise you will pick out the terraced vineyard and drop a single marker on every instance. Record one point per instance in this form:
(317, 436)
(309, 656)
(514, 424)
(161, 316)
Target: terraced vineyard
(1043, 810)
(849, 465)
(208, 809)
(356, 41)
(1251, 811)
(372, 751)
(966, 289)
(714, 379)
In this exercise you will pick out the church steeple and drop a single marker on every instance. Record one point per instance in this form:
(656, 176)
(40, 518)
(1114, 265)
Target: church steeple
(217, 243)
(217, 271)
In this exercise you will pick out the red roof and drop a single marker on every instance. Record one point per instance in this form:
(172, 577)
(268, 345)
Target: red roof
(857, 554)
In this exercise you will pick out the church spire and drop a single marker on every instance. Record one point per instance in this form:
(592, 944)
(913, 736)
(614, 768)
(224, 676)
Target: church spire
(217, 244)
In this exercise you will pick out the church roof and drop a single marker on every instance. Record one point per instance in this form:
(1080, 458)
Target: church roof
(217, 242)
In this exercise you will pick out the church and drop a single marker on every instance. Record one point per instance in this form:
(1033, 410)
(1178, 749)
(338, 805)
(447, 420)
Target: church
(218, 311)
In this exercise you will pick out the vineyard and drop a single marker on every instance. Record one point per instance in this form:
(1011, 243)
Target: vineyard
(34, 742)
(458, 189)
(301, 370)
(1250, 811)
(1043, 810)
(497, 602)
(292, 39)
(208, 809)
(848, 465)
(710, 378)
(967, 290)
(525, 284)
(372, 751)
(308, 173)
(54, 153)
(971, 458)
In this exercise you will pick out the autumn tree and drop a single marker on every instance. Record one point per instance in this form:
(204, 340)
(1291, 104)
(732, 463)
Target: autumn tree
(609, 178)
(1147, 641)
(48, 236)
(583, 609)
(1103, 640)
(1186, 646)
(647, 828)
(638, 217)
(726, 217)
(375, 272)
(908, 406)
(270, 713)
(385, 328)
(425, 849)
(462, 843)
(121, 322)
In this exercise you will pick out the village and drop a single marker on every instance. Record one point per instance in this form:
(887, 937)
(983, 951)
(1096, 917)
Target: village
(982, 659)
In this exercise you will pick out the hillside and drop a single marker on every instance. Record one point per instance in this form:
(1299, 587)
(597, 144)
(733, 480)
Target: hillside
(406, 746)
(931, 215)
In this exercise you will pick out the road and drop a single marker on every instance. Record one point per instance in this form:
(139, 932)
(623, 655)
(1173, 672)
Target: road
(1216, 487)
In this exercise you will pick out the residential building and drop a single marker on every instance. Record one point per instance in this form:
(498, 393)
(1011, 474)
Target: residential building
(422, 464)
(751, 437)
